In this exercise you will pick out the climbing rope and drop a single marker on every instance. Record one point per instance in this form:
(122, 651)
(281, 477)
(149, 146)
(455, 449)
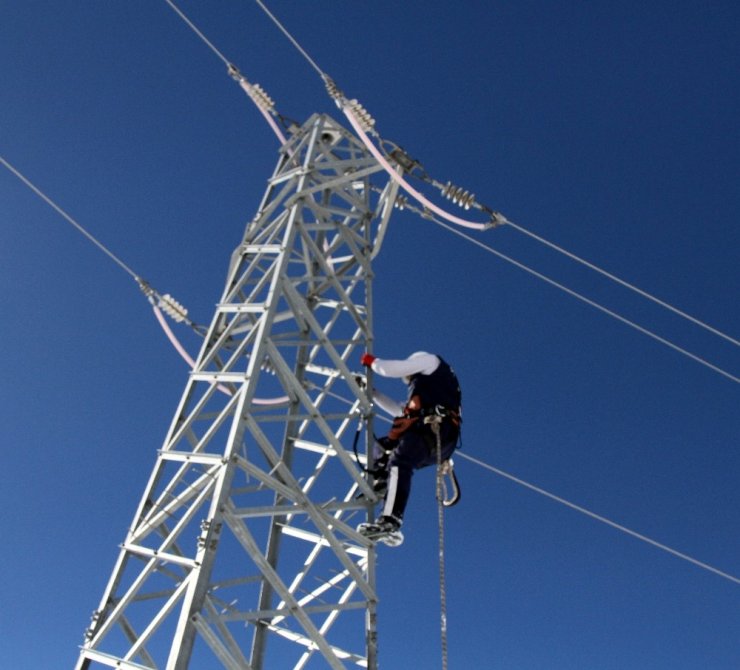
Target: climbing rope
(434, 421)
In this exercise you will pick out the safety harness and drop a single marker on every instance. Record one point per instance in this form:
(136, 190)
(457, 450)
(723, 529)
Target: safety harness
(414, 411)
(433, 417)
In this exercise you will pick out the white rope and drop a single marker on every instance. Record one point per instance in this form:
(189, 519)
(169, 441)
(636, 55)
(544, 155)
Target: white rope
(602, 519)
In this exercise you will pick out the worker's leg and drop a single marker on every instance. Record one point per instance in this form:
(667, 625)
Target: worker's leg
(415, 451)
(411, 452)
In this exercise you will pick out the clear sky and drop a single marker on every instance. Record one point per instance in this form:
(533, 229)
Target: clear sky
(608, 128)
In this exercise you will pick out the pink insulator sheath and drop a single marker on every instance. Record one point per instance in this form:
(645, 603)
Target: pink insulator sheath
(245, 85)
(188, 359)
(401, 181)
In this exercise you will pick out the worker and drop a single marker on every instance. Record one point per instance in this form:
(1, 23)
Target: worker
(411, 443)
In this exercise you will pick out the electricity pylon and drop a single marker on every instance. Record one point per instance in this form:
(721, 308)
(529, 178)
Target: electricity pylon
(245, 532)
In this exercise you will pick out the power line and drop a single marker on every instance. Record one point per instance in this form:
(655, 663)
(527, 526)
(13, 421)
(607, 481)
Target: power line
(583, 298)
(426, 215)
(497, 218)
(195, 29)
(577, 508)
(602, 519)
(263, 102)
(164, 303)
(78, 226)
(622, 282)
(292, 39)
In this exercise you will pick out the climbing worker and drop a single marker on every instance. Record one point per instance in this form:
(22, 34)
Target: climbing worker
(411, 444)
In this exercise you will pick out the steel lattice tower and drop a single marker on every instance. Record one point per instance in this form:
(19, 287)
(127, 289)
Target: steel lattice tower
(245, 532)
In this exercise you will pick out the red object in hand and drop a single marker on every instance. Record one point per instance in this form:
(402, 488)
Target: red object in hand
(367, 359)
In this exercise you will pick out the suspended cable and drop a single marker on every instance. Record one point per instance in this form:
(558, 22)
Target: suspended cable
(259, 97)
(586, 300)
(70, 220)
(163, 302)
(159, 302)
(602, 519)
(349, 108)
(466, 199)
(622, 282)
(613, 524)
(292, 39)
(499, 219)
(354, 122)
(360, 121)
(194, 28)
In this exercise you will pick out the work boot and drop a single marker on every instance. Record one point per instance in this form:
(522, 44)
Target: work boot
(387, 529)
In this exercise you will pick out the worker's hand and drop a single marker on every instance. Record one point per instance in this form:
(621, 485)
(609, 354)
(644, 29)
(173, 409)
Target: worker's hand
(367, 359)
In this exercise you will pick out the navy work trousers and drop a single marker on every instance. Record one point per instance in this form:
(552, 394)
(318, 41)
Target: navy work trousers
(416, 449)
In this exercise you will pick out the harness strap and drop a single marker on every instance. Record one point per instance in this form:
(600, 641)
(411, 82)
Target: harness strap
(412, 414)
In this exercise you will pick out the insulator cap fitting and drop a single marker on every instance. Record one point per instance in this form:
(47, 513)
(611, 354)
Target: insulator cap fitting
(458, 195)
(172, 308)
(362, 115)
(260, 97)
(332, 89)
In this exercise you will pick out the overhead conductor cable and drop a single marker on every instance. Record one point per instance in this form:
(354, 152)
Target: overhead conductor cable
(159, 302)
(459, 196)
(332, 88)
(263, 102)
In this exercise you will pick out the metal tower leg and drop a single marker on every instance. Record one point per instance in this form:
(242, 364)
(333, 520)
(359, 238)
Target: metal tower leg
(245, 532)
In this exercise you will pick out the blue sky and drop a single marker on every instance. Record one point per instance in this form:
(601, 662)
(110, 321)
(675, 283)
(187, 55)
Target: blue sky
(608, 128)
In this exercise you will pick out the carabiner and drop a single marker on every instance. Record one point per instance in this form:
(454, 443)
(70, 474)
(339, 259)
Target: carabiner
(448, 469)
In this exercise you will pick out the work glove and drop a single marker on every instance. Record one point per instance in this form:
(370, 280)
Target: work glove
(367, 359)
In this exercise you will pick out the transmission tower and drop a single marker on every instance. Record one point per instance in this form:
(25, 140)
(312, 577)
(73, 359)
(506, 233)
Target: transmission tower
(245, 532)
